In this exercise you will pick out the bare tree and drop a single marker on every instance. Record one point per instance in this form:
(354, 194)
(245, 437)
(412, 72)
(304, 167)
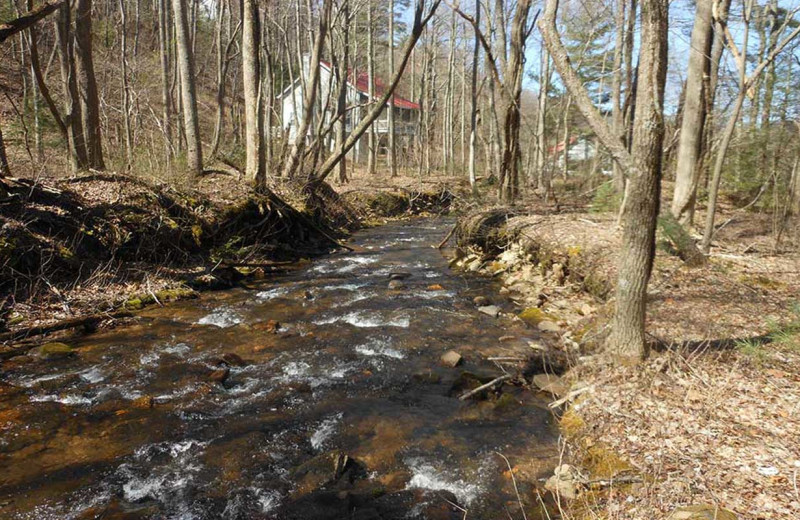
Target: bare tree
(642, 166)
(473, 118)
(687, 171)
(310, 96)
(745, 82)
(191, 126)
(509, 84)
(87, 84)
(255, 168)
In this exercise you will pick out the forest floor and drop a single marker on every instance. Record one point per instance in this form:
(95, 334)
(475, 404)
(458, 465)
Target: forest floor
(712, 417)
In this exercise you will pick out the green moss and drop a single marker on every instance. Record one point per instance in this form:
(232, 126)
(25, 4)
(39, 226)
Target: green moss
(505, 402)
(534, 315)
(139, 301)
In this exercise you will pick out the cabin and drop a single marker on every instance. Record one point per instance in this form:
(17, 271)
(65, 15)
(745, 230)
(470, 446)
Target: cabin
(579, 149)
(406, 113)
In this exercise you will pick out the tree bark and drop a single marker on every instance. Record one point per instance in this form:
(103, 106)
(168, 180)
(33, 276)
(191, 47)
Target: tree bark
(87, 84)
(642, 166)
(255, 158)
(191, 126)
(72, 110)
(616, 89)
(12, 27)
(473, 120)
(694, 113)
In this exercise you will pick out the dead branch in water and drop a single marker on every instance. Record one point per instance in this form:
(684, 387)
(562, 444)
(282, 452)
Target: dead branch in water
(88, 322)
(488, 385)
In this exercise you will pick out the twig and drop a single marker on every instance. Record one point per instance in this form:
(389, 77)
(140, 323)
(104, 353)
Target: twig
(447, 238)
(570, 396)
(514, 481)
(484, 387)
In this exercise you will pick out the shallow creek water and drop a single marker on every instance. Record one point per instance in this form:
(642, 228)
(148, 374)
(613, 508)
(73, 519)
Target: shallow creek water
(353, 369)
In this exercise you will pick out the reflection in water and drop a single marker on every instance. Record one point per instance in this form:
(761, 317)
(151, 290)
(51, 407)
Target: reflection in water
(316, 394)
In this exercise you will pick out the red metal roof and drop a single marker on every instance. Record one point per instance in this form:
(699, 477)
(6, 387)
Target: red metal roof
(362, 85)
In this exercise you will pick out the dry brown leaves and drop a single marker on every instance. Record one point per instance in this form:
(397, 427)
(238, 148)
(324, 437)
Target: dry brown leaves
(720, 429)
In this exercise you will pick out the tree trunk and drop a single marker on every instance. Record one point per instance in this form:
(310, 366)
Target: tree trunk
(166, 97)
(191, 126)
(616, 89)
(694, 113)
(255, 165)
(392, 155)
(473, 120)
(5, 171)
(87, 84)
(72, 110)
(542, 178)
(373, 138)
(12, 27)
(642, 166)
(341, 80)
(126, 94)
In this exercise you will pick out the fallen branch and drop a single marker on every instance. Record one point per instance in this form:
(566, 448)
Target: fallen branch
(488, 385)
(570, 396)
(12, 27)
(88, 322)
(447, 238)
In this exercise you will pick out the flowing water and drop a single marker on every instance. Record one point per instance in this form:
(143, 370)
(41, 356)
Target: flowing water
(343, 411)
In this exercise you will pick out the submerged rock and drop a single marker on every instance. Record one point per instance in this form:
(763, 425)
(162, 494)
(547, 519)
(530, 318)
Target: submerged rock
(229, 358)
(701, 512)
(220, 375)
(50, 351)
(399, 275)
(481, 301)
(395, 285)
(451, 358)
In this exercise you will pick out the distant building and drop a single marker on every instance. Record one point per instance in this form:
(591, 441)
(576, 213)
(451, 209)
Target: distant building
(406, 113)
(579, 149)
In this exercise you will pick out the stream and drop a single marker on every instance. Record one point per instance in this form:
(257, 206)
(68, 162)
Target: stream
(314, 394)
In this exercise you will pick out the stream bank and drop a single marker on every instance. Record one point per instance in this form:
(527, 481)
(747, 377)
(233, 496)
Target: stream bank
(687, 433)
(95, 244)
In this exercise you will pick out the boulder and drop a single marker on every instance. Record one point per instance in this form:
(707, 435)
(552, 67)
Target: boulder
(451, 359)
(399, 275)
(701, 512)
(490, 310)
